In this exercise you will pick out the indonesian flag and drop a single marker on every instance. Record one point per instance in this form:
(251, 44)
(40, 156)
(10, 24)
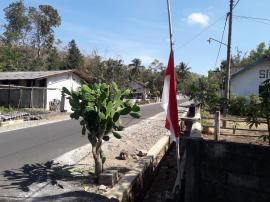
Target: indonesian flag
(169, 102)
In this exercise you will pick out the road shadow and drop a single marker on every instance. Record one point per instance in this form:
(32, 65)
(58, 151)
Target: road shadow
(49, 172)
(78, 196)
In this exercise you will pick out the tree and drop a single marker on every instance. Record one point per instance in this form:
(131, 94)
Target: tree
(156, 66)
(53, 60)
(182, 74)
(28, 37)
(100, 107)
(206, 93)
(74, 57)
(136, 67)
(260, 108)
(183, 71)
(44, 20)
(17, 23)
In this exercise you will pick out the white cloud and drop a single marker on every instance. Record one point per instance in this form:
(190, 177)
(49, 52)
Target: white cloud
(198, 18)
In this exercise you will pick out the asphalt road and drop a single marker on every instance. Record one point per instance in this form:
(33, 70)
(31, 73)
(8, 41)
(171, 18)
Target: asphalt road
(43, 143)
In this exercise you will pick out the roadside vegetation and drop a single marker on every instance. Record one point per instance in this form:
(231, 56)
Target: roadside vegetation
(99, 108)
(6, 109)
(209, 92)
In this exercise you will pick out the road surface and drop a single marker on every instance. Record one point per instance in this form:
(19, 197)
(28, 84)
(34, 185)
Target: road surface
(43, 143)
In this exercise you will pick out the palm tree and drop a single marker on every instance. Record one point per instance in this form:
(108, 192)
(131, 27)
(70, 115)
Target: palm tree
(183, 74)
(136, 67)
(182, 71)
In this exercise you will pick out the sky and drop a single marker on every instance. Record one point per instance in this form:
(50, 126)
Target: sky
(127, 29)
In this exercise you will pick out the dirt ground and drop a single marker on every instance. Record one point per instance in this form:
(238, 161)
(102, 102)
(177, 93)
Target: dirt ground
(242, 134)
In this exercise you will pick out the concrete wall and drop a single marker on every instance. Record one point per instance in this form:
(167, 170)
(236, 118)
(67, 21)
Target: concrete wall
(68, 80)
(226, 172)
(248, 82)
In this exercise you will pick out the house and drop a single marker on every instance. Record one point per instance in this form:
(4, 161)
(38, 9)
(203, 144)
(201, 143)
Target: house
(40, 89)
(248, 80)
(139, 90)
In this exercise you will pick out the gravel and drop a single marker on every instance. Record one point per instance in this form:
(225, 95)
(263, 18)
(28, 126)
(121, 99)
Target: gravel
(80, 164)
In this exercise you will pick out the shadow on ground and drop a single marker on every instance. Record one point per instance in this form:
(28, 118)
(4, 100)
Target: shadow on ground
(50, 172)
(78, 196)
(20, 180)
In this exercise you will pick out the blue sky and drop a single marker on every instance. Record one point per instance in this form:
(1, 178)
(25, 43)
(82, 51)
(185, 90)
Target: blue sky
(139, 28)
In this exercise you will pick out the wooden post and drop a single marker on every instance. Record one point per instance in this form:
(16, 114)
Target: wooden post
(43, 98)
(9, 94)
(20, 99)
(217, 125)
(31, 100)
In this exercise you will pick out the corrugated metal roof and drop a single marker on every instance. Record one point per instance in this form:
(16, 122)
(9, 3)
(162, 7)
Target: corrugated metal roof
(259, 61)
(30, 75)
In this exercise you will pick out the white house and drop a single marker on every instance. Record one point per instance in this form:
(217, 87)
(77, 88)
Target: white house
(248, 80)
(40, 89)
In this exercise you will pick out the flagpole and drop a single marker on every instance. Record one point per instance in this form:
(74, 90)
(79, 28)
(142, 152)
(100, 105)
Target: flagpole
(170, 24)
(177, 181)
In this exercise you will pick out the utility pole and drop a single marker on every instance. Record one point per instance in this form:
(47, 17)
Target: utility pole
(228, 73)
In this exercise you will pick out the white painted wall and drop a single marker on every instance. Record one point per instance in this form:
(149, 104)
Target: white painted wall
(248, 82)
(68, 80)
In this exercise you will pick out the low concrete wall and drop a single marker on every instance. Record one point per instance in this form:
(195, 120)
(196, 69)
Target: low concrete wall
(226, 172)
(135, 183)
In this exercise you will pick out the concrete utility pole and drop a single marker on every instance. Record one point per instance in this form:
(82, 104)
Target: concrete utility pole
(228, 73)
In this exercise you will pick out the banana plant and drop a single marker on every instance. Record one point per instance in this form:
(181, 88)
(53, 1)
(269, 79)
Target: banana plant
(99, 107)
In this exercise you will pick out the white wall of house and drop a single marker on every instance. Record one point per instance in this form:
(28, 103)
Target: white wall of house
(68, 80)
(248, 81)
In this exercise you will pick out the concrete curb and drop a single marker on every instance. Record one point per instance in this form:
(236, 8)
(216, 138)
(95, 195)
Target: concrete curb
(30, 124)
(136, 182)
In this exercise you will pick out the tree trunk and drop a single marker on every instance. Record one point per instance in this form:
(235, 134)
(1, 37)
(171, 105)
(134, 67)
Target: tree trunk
(96, 150)
(98, 161)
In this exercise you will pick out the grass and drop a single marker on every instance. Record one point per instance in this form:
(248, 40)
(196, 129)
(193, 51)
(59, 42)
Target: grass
(6, 110)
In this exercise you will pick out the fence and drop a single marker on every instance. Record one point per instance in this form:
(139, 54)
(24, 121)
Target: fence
(23, 97)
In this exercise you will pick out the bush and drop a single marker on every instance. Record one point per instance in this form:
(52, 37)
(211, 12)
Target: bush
(237, 105)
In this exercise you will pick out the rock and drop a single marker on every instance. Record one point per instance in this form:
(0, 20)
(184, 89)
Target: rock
(142, 153)
(102, 188)
(123, 155)
(134, 156)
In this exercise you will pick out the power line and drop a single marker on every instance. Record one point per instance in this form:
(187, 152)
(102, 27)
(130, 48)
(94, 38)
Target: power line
(221, 41)
(252, 18)
(201, 32)
(259, 20)
(236, 4)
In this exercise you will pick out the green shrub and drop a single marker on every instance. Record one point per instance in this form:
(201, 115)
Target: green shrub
(237, 105)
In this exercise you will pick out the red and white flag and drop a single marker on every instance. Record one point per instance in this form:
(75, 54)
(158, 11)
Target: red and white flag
(169, 101)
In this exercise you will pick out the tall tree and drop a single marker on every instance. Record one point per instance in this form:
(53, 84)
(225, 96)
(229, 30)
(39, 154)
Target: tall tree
(136, 68)
(74, 57)
(53, 61)
(44, 20)
(18, 23)
(183, 74)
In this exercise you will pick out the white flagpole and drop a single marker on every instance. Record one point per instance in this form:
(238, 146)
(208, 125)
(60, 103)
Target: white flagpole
(177, 182)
